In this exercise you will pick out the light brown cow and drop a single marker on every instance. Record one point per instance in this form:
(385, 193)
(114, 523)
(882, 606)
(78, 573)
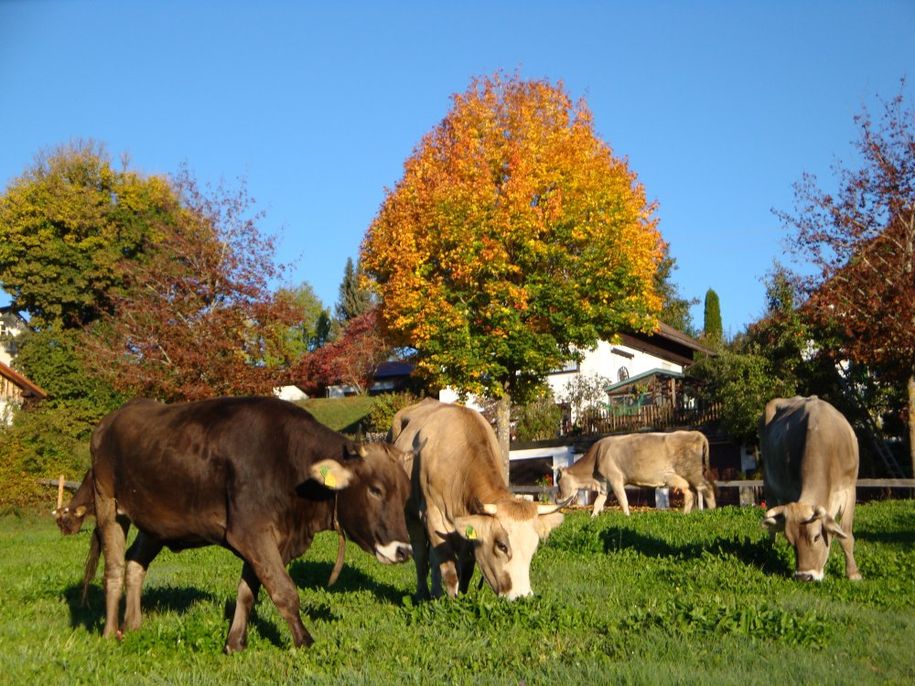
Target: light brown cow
(810, 467)
(675, 460)
(460, 509)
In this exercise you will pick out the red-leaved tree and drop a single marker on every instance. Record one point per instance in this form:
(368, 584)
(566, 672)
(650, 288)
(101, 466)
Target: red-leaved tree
(197, 318)
(861, 242)
(351, 359)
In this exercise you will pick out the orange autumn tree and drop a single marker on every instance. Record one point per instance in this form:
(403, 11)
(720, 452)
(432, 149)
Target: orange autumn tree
(514, 240)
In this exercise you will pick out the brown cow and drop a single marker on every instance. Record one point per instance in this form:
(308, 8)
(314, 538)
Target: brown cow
(460, 509)
(810, 468)
(676, 460)
(259, 476)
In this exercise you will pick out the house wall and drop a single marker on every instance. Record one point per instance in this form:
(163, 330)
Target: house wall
(606, 360)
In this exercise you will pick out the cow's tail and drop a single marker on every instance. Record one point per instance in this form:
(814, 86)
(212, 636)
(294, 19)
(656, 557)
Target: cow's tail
(95, 550)
(711, 496)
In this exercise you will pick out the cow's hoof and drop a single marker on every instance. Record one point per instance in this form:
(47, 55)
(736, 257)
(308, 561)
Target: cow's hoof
(854, 577)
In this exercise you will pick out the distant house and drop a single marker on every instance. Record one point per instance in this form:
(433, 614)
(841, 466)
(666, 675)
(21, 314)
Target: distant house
(639, 364)
(290, 392)
(11, 325)
(15, 390)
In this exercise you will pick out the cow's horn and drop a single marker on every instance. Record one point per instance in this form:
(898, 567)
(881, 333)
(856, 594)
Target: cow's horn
(774, 512)
(60, 491)
(489, 508)
(550, 509)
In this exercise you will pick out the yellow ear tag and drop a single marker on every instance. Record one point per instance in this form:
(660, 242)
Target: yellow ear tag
(470, 533)
(329, 479)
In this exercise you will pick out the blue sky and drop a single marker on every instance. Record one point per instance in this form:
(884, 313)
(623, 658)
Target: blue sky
(719, 106)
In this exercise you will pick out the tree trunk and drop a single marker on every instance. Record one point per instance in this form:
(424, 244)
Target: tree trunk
(912, 420)
(503, 429)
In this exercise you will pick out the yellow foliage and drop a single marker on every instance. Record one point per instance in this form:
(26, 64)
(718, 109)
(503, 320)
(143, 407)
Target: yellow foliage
(512, 221)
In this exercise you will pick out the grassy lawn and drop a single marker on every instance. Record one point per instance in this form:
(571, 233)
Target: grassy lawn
(340, 414)
(655, 598)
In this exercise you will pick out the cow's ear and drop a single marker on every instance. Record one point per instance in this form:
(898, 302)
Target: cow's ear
(832, 527)
(473, 527)
(545, 523)
(331, 474)
(775, 519)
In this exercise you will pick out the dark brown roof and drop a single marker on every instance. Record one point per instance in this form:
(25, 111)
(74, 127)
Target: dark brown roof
(29, 389)
(667, 343)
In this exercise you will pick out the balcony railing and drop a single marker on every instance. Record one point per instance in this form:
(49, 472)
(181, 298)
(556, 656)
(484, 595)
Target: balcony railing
(646, 417)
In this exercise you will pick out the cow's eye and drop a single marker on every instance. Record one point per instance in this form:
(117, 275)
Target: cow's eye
(375, 491)
(502, 547)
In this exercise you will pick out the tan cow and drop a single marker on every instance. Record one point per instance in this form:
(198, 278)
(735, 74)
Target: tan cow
(810, 467)
(675, 460)
(460, 509)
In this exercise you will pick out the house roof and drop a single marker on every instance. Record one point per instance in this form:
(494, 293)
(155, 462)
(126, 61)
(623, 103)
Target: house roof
(667, 343)
(29, 389)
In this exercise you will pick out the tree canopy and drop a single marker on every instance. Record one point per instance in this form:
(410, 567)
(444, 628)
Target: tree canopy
(514, 238)
(197, 318)
(860, 242)
(70, 226)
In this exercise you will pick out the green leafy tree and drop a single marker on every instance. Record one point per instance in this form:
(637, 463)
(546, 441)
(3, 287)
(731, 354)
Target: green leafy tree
(711, 326)
(514, 239)
(311, 328)
(354, 300)
(70, 226)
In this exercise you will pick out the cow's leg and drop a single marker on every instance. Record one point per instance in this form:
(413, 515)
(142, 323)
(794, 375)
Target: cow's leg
(848, 543)
(444, 567)
(141, 553)
(259, 549)
(420, 543)
(248, 588)
(466, 562)
(678, 482)
(113, 531)
(619, 491)
(601, 497)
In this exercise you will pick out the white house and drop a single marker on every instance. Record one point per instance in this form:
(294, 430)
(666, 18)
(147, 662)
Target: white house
(665, 353)
(11, 325)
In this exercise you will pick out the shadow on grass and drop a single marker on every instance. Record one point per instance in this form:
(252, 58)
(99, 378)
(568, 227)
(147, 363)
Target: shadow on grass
(92, 614)
(760, 554)
(308, 574)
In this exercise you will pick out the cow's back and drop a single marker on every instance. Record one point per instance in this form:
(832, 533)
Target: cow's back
(456, 454)
(809, 450)
(175, 469)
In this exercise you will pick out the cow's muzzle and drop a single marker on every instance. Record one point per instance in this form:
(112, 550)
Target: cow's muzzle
(808, 576)
(393, 552)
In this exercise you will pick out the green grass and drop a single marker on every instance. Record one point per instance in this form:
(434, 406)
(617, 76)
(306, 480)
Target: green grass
(340, 414)
(655, 598)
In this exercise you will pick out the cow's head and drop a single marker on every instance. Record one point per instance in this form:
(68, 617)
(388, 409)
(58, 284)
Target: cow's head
(504, 539)
(569, 484)
(70, 520)
(372, 489)
(809, 530)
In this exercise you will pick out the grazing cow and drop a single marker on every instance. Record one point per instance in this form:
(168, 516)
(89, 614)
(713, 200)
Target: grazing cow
(258, 476)
(460, 509)
(675, 460)
(810, 468)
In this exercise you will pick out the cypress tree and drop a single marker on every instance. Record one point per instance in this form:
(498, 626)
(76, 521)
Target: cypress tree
(712, 323)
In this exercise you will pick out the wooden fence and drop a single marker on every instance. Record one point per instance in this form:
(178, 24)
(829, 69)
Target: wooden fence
(654, 417)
